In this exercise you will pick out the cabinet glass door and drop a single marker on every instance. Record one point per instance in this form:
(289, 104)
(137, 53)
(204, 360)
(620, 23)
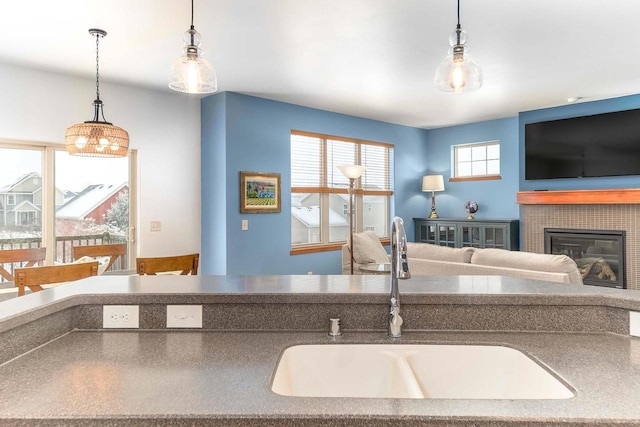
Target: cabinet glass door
(470, 235)
(447, 235)
(495, 237)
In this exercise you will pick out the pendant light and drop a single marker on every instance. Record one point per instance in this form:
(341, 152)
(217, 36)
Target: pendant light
(191, 73)
(458, 72)
(97, 138)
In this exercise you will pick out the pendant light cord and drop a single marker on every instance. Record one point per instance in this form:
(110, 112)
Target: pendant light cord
(97, 68)
(458, 28)
(191, 13)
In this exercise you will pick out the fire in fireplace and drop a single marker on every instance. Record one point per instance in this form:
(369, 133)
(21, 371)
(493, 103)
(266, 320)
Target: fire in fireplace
(599, 254)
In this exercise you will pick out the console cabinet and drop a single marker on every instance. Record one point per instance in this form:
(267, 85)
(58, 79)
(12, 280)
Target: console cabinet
(458, 233)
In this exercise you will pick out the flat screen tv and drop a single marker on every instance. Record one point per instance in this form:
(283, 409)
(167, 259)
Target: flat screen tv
(588, 146)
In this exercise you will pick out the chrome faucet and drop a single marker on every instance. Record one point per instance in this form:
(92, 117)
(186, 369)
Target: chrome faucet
(399, 270)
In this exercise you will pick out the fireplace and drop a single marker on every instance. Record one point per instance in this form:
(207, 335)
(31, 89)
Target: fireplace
(599, 254)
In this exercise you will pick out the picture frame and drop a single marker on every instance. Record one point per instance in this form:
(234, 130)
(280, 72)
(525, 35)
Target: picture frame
(259, 192)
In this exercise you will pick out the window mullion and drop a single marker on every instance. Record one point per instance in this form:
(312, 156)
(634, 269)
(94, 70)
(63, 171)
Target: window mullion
(48, 203)
(324, 197)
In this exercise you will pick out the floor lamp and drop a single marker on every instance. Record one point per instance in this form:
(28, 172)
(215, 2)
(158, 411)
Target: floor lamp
(433, 183)
(352, 172)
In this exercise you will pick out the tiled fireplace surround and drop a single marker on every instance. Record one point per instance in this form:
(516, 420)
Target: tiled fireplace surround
(584, 209)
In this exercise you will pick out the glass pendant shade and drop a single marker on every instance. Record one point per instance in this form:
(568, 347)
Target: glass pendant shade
(458, 72)
(97, 138)
(191, 73)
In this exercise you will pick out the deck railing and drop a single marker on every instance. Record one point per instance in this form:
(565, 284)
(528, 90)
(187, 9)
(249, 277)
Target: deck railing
(64, 247)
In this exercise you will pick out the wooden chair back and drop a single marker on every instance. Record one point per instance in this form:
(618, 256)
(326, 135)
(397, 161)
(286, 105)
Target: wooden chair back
(114, 251)
(34, 277)
(186, 264)
(24, 257)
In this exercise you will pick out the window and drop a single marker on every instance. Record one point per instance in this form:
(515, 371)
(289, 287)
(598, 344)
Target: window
(476, 161)
(319, 191)
(58, 201)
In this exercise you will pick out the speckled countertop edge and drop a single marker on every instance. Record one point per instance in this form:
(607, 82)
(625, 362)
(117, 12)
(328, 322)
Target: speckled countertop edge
(336, 289)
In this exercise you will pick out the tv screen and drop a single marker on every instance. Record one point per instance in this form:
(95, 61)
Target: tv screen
(589, 146)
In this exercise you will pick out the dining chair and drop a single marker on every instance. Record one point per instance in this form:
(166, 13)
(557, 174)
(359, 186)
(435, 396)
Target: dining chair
(24, 257)
(34, 277)
(186, 264)
(114, 251)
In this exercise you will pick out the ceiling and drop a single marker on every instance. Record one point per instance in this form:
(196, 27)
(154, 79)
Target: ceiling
(367, 58)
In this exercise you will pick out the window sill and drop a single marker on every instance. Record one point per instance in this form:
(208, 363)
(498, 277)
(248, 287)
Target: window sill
(309, 249)
(475, 178)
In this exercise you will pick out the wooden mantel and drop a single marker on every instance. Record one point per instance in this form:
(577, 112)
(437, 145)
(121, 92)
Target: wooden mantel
(620, 196)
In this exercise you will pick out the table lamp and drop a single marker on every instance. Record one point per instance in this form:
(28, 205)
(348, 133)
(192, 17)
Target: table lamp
(433, 183)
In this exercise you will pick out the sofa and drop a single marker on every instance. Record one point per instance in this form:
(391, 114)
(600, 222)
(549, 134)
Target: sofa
(428, 259)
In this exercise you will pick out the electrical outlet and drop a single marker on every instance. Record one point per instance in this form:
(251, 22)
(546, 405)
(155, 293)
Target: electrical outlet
(245, 224)
(155, 226)
(184, 316)
(120, 316)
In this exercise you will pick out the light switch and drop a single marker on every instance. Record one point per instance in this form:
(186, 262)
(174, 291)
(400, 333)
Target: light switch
(245, 224)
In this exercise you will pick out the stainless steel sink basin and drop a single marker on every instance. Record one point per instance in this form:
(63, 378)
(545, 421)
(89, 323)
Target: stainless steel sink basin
(414, 371)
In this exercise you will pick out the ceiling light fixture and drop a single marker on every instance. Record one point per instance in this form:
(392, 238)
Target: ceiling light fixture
(97, 138)
(191, 73)
(458, 72)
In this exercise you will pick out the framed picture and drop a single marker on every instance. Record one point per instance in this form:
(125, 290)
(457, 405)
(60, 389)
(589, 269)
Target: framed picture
(259, 192)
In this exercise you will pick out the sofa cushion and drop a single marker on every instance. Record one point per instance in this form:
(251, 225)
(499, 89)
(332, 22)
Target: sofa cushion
(367, 248)
(439, 253)
(528, 261)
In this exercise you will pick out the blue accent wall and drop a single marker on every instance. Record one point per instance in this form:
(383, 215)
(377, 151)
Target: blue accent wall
(257, 139)
(575, 110)
(245, 133)
(213, 189)
(496, 198)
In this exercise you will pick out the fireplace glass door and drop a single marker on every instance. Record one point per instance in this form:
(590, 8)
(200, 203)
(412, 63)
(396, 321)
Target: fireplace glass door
(599, 254)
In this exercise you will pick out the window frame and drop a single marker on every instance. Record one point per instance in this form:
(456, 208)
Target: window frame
(47, 215)
(455, 163)
(324, 190)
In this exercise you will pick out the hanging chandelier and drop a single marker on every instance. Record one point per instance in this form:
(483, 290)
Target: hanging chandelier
(191, 73)
(97, 138)
(458, 72)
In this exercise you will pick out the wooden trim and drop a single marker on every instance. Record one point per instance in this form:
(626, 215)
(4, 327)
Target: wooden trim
(580, 197)
(475, 178)
(340, 138)
(356, 191)
(309, 249)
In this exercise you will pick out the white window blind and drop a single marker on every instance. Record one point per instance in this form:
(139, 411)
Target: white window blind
(319, 191)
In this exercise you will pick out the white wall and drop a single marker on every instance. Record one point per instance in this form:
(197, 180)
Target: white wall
(163, 126)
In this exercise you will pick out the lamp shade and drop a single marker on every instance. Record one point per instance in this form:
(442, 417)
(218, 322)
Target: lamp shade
(96, 139)
(432, 183)
(352, 171)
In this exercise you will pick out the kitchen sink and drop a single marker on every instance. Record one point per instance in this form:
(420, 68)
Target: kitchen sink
(414, 371)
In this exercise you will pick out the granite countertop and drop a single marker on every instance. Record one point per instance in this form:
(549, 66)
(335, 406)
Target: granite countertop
(156, 376)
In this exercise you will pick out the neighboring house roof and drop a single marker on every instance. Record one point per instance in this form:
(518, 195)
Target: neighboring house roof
(88, 200)
(309, 216)
(9, 187)
(25, 206)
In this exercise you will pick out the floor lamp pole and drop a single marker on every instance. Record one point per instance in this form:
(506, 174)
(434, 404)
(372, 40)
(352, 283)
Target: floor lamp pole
(351, 185)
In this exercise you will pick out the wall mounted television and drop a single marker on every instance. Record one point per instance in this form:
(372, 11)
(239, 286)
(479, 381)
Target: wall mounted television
(589, 146)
